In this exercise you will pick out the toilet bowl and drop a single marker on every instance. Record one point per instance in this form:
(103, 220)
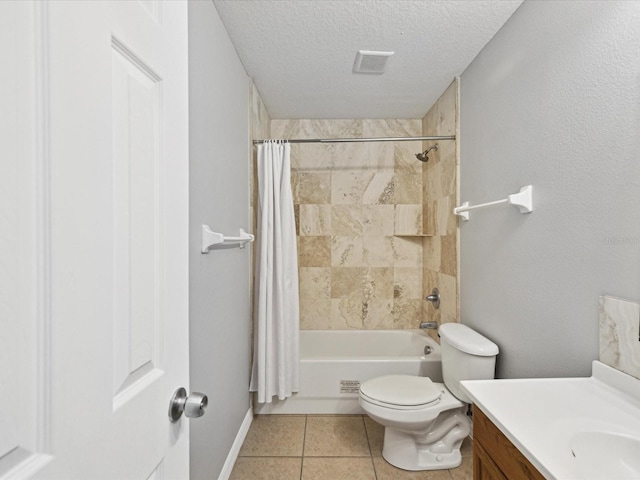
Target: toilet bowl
(426, 422)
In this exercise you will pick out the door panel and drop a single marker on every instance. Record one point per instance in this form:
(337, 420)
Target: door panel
(94, 261)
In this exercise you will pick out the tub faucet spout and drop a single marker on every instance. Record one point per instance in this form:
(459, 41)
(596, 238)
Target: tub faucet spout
(429, 325)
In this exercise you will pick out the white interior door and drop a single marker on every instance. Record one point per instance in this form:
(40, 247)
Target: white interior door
(93, 238)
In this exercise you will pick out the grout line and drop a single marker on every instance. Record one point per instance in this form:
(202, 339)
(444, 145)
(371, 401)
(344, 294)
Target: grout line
(373, 465)
(304, 439)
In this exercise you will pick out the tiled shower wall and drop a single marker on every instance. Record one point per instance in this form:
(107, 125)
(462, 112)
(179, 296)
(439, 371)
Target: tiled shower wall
(363, 211)
(354, 203)
(440, 195)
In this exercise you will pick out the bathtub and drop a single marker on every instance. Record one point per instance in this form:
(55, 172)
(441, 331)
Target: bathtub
(333, 363)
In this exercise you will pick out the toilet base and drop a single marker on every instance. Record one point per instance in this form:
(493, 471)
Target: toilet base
(401, 450)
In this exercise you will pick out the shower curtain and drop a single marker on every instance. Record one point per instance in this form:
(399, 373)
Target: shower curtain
(276, 324)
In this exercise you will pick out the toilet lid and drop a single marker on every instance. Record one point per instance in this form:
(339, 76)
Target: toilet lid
(401, 390)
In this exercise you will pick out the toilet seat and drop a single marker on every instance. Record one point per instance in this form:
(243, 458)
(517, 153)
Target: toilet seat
(401, 392)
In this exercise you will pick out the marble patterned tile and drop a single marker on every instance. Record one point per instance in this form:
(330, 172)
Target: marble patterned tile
(408, 220)
(313, 188)
(464, 471)
(348, 187)
(407, 312)
(267, 468)
(347, 313)
(338, 468)
(315, 220)
(620, 334)
(405, 160)
(378, 220)
(346, 251)
(447, 285)
(377, 251)
(347, 281)
(315, 314)
(449, 255)
(315, 282)
(346, 220)
(407, 282)
(407, 251)
(377, 313)
(391, 127)
(380, 189)
(274, 436)
(408, 188)
(314, 251)
(432, 253)
(331, 436)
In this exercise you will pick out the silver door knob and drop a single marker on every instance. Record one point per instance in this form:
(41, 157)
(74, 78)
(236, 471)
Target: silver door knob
(192, 406)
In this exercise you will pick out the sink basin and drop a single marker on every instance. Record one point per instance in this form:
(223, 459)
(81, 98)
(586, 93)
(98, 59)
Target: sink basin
(601, 455)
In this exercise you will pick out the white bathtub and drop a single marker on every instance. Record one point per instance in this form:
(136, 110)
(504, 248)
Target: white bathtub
(334, 362)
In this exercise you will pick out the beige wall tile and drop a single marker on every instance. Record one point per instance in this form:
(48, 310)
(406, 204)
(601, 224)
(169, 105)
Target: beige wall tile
(380, 189)
(315, 313)
(432, 253)
(315, 282)
(449, 260)
(314, 251)
(408, 189)
(408, 220)
(315, 220)
(407, 313)
(407, 282)
(377, 313)
(347, 281)
(346, 220)
(313, 188)
(346, 251)
(347, 313)
(378, 220)
(405, 160)
(347, 187)
(377, 251)
(407, 251)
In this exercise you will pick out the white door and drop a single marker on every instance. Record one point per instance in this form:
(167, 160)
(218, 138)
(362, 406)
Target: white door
(93, 238)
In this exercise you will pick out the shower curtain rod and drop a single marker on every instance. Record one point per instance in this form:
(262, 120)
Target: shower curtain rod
(354, 140)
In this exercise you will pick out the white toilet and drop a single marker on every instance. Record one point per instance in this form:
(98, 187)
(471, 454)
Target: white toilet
(425, 422)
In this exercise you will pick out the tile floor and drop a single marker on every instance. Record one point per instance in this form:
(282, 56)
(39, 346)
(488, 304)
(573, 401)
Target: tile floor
(325, 447)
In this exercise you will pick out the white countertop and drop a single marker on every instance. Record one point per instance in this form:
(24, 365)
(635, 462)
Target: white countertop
(542, 417)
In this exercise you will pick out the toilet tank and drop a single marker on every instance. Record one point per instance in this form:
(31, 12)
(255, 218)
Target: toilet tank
(466, 355)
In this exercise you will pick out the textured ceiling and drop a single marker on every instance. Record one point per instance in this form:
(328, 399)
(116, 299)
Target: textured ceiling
(300, 53)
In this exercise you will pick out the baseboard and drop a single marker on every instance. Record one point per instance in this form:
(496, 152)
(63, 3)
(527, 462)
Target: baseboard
(235, 448)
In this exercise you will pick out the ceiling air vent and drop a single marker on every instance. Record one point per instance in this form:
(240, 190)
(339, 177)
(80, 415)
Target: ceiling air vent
(371, 62)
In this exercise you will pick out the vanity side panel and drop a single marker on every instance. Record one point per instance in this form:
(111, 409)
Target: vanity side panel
(500, 450)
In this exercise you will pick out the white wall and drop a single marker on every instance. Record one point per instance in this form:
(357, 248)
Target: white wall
(553, 101)
(219, 281)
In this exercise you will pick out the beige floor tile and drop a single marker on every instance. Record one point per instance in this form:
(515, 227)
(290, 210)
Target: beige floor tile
(343, 436)
(375, 433)
(386, 471)
(322, 468)
(464, 471)
(274, 436)
(267, 468)
(467, 447)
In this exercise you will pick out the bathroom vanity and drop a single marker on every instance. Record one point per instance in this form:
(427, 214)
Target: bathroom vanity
(557, 428)
(494, 456)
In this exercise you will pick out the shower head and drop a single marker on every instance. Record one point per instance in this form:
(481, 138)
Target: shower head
(423, 156)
